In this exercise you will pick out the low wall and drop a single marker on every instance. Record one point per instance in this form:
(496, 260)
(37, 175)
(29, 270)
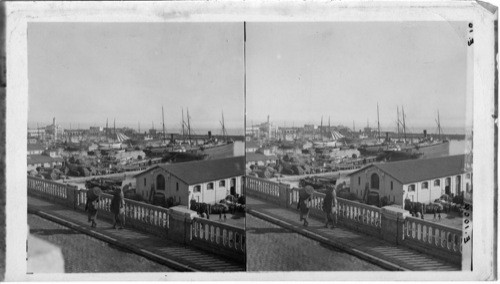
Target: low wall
(389, 223)
(218, 237)
(434, 239)
(176, 223)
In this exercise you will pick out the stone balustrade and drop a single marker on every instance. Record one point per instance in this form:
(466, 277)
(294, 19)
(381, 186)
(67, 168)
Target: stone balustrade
(433, 238)
(50, 190)
(139, 215)
(219, 236)
(351, 214)
(389, 223)
(177, 223)
(268, 190)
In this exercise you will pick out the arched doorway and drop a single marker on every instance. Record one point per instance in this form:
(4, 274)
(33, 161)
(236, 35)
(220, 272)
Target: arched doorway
(232, 188)
(374, 181)
(447, 186)
(458, 186)
(160, 182)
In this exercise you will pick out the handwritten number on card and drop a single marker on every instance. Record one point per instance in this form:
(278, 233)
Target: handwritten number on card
(470, 41)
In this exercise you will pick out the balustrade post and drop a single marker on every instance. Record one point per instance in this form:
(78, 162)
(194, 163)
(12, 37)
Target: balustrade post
(180, 224)
(393, 219)
(284, 196)
(71, 196)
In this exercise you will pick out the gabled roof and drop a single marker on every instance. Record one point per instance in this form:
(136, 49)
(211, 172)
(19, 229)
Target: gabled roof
(203, 171)
(409, 171)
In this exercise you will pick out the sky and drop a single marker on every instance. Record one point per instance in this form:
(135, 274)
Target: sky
(85, 73)
(299, 72)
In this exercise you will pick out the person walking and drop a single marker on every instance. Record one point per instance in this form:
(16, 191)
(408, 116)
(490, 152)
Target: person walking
(328, 204)
(91, 205)
(91, 208)
(334, 208)
(118, 208)
(304, 203)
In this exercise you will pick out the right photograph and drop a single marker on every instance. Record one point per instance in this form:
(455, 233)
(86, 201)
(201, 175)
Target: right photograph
(358, 146)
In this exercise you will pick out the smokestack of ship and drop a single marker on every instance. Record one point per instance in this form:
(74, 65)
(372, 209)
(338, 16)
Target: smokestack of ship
(209, 134)
(425, 133)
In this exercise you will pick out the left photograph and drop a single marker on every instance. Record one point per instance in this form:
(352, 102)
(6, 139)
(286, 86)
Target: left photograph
(136, 153)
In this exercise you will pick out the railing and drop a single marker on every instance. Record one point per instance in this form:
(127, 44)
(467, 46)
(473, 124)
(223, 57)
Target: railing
(351, 214)
(50, 190)
(47, 187)
(219, 236)
(263, 188)
(153, 219)
(438, 238)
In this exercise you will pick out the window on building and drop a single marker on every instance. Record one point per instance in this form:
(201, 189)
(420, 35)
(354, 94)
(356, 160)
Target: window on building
(222, 183)
(437, 182)
(425, 185)
(374, 180)
(467, 176)
(392, 185)
(197, 188)
(411, 188)
(160, 182)
(210, 185)
(394, 198)
(359, 180)
(144, 181)
(177, 186)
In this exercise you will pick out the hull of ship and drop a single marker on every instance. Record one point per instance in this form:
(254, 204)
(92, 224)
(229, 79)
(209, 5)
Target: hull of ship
(434, 150)
(373, 150)
(110, 146)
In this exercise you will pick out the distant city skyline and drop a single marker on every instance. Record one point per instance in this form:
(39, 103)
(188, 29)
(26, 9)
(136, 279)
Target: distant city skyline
(83, 73)
(299, 72)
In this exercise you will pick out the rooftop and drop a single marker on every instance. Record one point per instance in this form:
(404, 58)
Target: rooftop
(202, 171)
(409, 171)
(41, 159)
(255, 157)
(34, 147)
(252, 144)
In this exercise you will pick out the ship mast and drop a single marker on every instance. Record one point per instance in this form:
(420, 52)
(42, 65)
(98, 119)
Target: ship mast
(398, 122)
(321, 129)
(163, 122)
(404, 123)
(182, 124)
(224, 133)
(329, 129)
(378, 122)
(189, 126)
(439, 126)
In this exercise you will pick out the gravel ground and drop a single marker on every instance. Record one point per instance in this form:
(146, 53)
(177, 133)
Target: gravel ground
(272, 248)
(83, 253)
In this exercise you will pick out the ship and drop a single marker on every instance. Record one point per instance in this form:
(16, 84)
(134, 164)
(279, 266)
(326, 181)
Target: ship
(401, 149)
(114, 141)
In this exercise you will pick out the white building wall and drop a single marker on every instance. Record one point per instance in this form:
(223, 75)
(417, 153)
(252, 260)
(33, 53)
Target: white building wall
(215, 195)
(436, 191)
(400, 192)
(145, 182)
